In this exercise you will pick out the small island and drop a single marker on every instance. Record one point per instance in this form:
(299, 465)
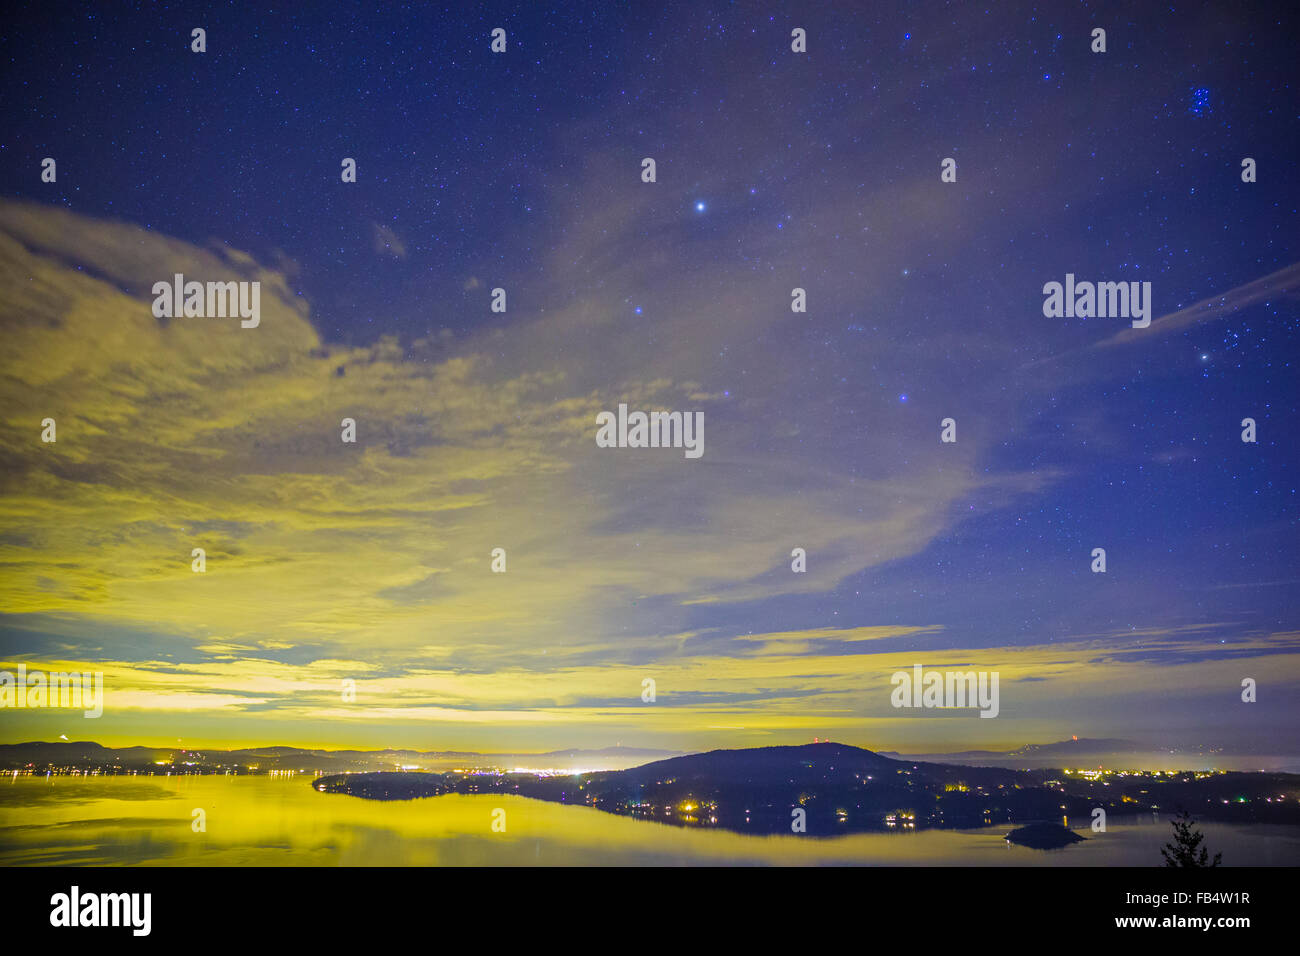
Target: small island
(385, 785)
(1043, 836)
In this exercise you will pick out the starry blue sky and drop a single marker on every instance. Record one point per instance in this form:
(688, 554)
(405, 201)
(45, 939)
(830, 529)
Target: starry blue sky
(521, 170)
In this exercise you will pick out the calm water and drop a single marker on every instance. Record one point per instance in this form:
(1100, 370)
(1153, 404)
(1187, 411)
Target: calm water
(260, 821)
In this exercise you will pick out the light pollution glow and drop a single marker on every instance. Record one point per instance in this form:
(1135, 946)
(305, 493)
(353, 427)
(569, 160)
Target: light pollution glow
(370, 561)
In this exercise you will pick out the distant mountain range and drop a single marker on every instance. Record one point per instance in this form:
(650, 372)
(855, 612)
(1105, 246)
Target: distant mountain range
(1110, 752)
(1086, 752)
(84, 755)
(1061, 748)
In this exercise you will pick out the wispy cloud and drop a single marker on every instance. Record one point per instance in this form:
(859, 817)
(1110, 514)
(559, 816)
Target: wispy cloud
(1282, 284)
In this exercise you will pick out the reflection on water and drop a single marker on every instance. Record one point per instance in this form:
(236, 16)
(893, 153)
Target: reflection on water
(261, 821)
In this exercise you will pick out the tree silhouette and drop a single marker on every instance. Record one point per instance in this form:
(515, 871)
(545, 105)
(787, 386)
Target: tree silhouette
(1183, 852)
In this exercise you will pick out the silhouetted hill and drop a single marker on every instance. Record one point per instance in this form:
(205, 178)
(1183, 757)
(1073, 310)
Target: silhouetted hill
(803, 761)
(77, 753)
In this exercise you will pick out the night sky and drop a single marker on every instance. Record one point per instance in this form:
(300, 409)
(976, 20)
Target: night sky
(521, 170)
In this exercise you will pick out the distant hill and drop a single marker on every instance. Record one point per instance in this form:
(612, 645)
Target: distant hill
(80, 753)
(836, 786)
(1060, 748)
(801, 762)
